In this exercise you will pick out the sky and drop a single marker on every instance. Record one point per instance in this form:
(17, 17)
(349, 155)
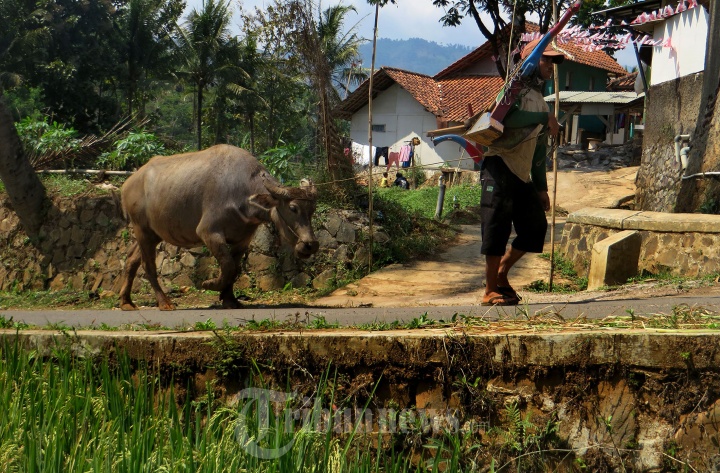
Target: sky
(404, 20)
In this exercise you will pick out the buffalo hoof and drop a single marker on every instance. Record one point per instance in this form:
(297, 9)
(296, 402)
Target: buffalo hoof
(128, 306)
(166, 306)
(231, 304)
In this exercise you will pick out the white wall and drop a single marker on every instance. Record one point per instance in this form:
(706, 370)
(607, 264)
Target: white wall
(405, 118)
(688, 35)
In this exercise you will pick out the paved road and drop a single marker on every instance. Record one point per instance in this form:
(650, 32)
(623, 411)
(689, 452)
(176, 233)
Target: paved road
(356, 316)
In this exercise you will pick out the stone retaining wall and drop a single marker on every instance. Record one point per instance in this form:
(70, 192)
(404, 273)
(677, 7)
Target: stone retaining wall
(84, 242)
(680, 244)
(619, 400)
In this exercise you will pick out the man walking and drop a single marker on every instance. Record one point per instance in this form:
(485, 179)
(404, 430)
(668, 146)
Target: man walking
(514, 186)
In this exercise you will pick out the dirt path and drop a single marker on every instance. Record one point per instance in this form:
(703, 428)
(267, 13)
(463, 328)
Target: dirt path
(456, 276)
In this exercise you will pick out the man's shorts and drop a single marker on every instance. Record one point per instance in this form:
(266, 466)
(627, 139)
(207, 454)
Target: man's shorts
(506, 201)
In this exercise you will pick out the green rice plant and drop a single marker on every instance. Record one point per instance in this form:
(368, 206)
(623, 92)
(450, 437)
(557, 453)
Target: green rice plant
(60, 412)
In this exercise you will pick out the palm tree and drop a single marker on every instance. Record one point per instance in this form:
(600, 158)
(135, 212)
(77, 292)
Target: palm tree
(146, 27)
(204, 42)
(23, 33)
(326, 53)
(342, 50)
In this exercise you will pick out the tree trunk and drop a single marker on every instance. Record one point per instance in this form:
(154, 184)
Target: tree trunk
(23, 186)
(199, 117)
(705, 150)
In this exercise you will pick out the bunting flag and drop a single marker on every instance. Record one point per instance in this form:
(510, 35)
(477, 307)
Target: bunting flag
(601, 39)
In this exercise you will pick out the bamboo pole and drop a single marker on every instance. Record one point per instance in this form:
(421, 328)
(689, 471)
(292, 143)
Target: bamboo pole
(370, 180)
(84, 171)
(556, 86)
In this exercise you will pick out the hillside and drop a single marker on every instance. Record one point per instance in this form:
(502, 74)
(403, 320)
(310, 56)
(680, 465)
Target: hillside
(414, 54)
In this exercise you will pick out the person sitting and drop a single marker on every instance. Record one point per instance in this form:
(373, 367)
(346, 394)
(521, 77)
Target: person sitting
(384, 180)
(401, 182)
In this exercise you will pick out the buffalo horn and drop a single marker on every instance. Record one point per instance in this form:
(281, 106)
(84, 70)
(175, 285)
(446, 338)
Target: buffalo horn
(308, 185)
(279, 192)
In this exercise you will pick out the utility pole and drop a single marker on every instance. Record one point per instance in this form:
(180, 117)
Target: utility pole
(371, 215)
(556, 87)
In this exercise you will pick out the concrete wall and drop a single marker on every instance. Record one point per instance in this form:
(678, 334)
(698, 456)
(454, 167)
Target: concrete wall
(405, 118)
(672, 109)
(680, 244)
(688, 35)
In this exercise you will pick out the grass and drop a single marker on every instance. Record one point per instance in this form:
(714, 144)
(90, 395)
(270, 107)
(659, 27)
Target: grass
(423, 201)
(55, 299)
(565, 270)
(62, 413)
(74, 185)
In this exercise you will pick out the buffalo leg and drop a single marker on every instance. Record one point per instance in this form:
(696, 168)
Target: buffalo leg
(228, 270)
(227, 295)
(147, 245)
(131, 266)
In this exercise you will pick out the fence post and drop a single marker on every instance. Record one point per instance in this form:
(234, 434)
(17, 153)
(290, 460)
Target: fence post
(441, 198)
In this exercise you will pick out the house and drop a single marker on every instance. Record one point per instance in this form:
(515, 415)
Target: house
(409, 105)
(674, 49)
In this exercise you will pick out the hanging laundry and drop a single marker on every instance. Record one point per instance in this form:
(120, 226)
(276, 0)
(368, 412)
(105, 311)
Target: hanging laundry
(393, 158)
(381, 151)
(361, 153)
(405, 153)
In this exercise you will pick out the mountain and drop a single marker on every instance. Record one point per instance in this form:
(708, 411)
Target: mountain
(414, 54)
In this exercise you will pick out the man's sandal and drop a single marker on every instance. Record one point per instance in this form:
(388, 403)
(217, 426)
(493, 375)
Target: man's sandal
(509, 292)
(501, 299)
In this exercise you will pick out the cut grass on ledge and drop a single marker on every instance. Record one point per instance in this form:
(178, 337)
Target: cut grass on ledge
(682, 317)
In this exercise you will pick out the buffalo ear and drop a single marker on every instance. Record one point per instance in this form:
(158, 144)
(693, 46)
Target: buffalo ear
(264, 202)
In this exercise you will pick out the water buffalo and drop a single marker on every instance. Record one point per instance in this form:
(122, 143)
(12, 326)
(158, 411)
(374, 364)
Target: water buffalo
(216, 197)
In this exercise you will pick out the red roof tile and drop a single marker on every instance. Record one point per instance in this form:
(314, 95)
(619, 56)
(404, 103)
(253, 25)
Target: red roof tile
(626, 82)
(477, 91)
(575, 53)
(448, 93)
(422, 87)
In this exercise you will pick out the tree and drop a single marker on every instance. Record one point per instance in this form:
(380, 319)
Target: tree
(342, 49)
(326, 52)
(146, 28)
(278, 108)
(203, 44)
(23, 32)
(496, 31)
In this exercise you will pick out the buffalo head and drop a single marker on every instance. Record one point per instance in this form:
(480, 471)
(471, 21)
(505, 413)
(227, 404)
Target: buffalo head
(292, 215)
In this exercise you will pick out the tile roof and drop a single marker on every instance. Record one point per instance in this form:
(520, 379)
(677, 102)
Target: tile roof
(448, 93)
(447, 98)
(626, 82)
(477, 91)
(575, 53)
(422, 87)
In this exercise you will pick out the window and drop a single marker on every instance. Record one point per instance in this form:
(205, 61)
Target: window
(378, 128)
(568, 81)
(591, 85)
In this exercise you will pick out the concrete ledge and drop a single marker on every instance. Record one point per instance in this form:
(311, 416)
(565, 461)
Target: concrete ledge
(610, 218)
(649, 221)
(649, 349)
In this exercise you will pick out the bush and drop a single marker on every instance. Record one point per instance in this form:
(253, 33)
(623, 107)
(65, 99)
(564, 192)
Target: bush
(132, 152)
(283, 160)
(46, 142)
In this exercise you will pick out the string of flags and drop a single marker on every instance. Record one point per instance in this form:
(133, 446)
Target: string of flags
(602, 39)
